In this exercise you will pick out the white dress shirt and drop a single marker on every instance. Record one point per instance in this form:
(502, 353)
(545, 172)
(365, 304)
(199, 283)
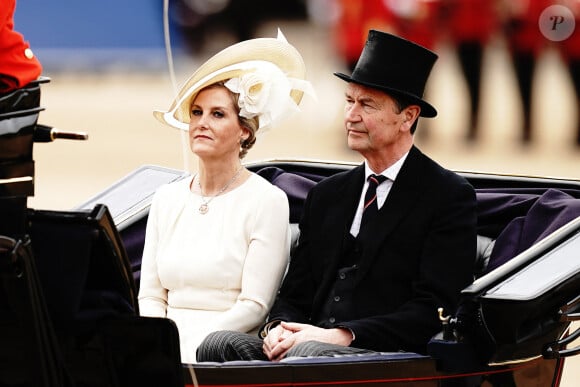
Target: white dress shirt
(382, 190)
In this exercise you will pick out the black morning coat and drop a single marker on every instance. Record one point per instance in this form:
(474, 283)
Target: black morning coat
(418, 258)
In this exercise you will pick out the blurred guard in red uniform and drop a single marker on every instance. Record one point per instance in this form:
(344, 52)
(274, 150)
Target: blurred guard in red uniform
(526, 42)
(18, 66)
(570, 51)
(416, 20)
(470, 25)
(19, 109)
(352, 26)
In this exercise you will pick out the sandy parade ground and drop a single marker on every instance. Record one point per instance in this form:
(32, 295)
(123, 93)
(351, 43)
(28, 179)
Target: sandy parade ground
(114, 108)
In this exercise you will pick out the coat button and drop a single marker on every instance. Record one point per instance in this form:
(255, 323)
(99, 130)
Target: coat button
(28, 53)
(332, 320)
(342, 276)
(336, 298)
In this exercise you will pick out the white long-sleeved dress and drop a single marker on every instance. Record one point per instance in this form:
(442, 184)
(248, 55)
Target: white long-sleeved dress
(216, 271)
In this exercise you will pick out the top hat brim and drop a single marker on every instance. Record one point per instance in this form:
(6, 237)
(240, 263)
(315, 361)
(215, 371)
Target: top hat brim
(427, 110)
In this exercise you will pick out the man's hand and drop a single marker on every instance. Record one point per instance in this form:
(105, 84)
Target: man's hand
(286, 335)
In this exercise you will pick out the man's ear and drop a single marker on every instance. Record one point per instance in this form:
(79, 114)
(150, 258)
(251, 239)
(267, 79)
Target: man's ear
(412, 112)
(410, 115)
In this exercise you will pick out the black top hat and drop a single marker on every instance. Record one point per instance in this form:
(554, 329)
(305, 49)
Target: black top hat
(396, 66)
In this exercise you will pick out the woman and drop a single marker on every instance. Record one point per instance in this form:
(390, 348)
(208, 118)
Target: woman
(217, 243)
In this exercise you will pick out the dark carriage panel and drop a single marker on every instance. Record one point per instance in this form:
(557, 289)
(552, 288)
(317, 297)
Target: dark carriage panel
(69, 309)
(82, 264)
(381, 369)
(392, 369)
(29, 354)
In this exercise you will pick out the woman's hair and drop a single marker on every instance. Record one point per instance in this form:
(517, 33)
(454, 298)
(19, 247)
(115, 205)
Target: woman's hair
(251, 124)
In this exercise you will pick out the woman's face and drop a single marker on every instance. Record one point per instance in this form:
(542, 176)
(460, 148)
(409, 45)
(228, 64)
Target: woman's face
(214, 128)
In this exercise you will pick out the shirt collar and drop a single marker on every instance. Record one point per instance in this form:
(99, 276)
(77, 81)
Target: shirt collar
(391, 172)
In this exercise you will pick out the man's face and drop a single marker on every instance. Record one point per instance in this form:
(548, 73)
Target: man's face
(372, 120)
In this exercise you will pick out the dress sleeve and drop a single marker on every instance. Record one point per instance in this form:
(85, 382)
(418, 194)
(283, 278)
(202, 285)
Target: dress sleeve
(152, 295)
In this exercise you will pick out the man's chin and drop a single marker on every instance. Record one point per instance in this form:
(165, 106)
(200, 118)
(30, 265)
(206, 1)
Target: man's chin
(354, 143)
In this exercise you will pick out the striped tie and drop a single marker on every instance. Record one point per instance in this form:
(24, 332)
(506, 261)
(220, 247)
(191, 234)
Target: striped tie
(371, 208)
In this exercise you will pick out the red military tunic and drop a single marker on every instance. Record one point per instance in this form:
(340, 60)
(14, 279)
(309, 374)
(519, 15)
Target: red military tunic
(471, 20)
(18, 65)
(522, 30)
(417, 20)
(352, 26)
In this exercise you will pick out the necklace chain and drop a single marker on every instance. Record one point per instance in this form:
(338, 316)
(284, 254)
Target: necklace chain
(204, 207)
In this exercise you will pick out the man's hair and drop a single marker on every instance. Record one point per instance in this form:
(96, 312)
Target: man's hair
(402, 102)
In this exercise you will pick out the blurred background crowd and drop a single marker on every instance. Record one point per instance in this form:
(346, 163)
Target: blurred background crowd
(469, 26)
(200, 27)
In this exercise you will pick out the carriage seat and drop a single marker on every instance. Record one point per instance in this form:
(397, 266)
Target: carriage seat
(482, 254)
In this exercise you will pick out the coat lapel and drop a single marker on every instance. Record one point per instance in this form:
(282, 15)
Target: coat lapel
(346, 196)
(404, 192)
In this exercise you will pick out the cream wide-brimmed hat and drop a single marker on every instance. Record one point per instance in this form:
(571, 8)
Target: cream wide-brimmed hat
(269, 74)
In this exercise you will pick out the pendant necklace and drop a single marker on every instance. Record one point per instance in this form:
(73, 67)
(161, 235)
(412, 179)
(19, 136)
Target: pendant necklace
(204, 207)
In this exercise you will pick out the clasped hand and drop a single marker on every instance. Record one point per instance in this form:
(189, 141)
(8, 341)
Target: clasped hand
(286, 335)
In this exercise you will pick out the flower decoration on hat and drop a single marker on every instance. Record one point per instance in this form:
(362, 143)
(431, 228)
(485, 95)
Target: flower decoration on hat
(265, 92)
(253, 90)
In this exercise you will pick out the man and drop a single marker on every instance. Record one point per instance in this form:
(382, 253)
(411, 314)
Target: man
(375, 286)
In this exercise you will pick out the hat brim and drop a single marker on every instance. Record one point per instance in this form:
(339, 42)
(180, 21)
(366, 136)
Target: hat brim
(276, 51)
(427, 110)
